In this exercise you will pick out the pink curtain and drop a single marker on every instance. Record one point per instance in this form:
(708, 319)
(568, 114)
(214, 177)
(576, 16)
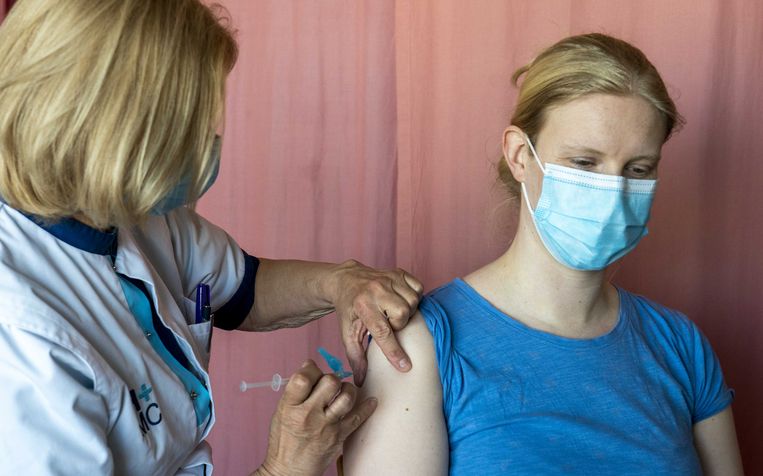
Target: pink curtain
(370, 129)
(703, 256)
(308, 172)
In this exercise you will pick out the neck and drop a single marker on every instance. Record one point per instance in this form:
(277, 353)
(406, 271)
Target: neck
(531, 286)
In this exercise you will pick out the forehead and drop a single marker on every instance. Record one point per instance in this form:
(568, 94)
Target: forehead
(610, 123)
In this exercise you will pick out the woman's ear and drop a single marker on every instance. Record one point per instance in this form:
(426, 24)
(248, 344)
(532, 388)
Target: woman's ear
(514, 152)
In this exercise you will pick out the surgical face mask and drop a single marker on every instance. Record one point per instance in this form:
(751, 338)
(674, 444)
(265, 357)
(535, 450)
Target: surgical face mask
(178, 196)
(587, 220)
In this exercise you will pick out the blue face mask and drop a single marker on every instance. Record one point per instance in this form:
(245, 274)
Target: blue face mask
(586, 220)
(178, 196)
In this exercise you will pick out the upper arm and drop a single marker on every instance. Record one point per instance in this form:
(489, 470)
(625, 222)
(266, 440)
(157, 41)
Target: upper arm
(714, 434)
(407, 432)
(207, 254)
(716, 443)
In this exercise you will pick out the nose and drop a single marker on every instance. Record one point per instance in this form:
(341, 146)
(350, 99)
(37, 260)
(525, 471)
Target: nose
(613, 169)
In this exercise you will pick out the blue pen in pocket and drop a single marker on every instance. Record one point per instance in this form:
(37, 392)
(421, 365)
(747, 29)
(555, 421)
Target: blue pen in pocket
(203, 307)
(204, 310)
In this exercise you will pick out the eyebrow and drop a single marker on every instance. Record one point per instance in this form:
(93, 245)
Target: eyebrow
(571, 149)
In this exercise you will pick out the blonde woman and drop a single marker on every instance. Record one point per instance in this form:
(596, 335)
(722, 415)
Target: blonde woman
(109, 285)
(536, 364)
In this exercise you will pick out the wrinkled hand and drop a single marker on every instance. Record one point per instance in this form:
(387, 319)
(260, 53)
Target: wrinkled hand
(376, 302)
(315, 415)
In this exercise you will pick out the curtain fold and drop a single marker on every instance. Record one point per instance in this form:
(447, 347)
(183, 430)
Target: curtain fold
(308, 172)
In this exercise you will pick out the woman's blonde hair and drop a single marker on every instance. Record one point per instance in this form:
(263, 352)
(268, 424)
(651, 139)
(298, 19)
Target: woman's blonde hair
(581, 65)
(107, 104)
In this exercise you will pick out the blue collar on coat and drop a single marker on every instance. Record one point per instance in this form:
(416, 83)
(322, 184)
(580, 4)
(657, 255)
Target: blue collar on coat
(79, 235)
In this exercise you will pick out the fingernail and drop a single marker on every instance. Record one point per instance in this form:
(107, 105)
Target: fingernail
(404, 364)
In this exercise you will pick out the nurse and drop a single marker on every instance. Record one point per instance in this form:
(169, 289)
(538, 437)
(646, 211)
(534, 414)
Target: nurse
(109, 125)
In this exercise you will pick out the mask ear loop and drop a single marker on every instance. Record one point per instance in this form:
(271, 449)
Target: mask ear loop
(542, 169)
(532, 213)
(535, 154)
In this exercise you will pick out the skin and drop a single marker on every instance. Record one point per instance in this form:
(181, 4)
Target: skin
(606, 134)
(407, 432)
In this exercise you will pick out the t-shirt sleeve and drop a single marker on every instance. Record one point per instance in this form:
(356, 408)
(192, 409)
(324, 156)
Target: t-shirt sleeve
(207, 254)
(437, 321)
(711, 394)
(54, 422)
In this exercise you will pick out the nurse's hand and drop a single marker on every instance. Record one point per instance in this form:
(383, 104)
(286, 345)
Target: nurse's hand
(315, 415)
(376, 302)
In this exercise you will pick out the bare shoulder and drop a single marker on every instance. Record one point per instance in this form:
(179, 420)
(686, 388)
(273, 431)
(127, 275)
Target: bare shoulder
(407, 433)
(417, 341)
(395, 389)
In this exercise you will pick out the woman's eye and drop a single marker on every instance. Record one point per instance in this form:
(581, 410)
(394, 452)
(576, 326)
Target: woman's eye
(582, 163)
(639, 170)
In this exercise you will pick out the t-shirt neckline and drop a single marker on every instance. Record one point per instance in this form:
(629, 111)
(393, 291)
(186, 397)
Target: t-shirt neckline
(568, 342)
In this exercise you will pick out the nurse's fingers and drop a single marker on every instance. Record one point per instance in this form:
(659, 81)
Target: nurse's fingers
(354, 337)
(301, 384)
(414, 283)
(408, 288)
(392, 313)
(342, 403)
(353, 419)
(325, 391)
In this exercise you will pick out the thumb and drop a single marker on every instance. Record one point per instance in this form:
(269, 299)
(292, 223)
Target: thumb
(356, 356)
(357, 416)
(353, 339)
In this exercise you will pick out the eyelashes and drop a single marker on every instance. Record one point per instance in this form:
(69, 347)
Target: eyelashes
(582, 163)
(640, 171)
(630, 170)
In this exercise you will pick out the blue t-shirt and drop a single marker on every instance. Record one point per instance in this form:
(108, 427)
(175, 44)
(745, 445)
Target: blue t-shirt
(521, 401)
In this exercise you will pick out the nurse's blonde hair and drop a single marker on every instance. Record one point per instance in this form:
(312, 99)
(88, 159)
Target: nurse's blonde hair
(105, 105)
(578, 66)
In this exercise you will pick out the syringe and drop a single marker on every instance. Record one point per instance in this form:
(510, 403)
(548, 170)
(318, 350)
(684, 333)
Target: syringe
(277, 381)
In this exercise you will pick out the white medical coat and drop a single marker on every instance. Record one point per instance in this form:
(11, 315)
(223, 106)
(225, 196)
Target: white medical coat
(71, 351)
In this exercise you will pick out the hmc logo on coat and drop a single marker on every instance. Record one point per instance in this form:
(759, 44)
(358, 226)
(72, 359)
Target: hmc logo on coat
(149, 416)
